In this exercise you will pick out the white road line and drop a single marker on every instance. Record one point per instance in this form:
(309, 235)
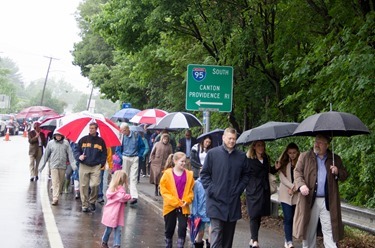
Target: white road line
(51, 227)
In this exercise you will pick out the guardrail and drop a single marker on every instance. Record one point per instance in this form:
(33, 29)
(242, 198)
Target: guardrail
(360, 218)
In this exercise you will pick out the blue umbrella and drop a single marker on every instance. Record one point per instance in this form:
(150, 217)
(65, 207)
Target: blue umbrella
(194, 223)
(125, 114)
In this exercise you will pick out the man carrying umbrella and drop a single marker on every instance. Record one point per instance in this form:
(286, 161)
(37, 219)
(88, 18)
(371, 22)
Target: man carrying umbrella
(37, 140)
(91, 153)
(316, 177)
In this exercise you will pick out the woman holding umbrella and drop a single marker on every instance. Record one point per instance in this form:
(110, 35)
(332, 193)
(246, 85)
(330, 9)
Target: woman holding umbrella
(159, 155)
(258, 196)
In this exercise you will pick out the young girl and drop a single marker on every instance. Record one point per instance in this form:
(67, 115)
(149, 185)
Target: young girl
(176, 188)
(113, 212)
(288, 193)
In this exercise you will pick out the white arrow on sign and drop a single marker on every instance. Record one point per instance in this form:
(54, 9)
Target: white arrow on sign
(208, 103)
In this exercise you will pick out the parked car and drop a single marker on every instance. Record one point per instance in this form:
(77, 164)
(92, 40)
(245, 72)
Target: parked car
(3, 128)
(10, 123)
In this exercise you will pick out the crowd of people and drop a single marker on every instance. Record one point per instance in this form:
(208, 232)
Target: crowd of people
(197, 180)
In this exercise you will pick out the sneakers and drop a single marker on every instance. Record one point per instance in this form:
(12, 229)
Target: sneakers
(77, 194)
(54, 202)
(92, 207)
(288, 244)
(104, 245)
(133, 201)
(100, 200)
(85, 210)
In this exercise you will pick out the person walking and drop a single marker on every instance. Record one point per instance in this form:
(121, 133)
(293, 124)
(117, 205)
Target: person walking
(288, 193)
(185, 145)
(176, 188)
(142, 154)
(316, 177)
(37, 141)
(198, 210)
(224, 176)
(58, 153)
(91, 152)
(131, 144)
(198, 154)
(113, 211)
(159, 155)
(258, 194)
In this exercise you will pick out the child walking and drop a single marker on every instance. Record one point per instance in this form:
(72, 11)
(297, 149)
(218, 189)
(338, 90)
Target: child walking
(113, 212)
(176, 188)
(198, 210)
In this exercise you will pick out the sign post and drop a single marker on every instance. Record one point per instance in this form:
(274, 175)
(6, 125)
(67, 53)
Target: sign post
(209, 88)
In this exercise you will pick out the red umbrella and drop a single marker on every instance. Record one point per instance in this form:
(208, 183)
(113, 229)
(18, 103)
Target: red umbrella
(148, 116)
(36, 111)
(75, 126)
(194, 223)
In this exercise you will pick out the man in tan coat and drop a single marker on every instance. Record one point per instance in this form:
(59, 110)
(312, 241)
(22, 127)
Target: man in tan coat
(37, 141)
(316, 177)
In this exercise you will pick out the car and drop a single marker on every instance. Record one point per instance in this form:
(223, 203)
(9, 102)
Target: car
(3, 128)
(10, 123)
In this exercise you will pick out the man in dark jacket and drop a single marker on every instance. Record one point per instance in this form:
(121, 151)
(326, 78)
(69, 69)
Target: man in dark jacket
(185, 144)
(91, 152)
(224, 176)
(37, 140)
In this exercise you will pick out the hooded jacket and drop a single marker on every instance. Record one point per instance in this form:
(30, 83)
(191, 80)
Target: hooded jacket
(58, 153)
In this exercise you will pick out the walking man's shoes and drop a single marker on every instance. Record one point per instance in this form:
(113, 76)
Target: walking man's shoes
(92, 207)
(85, 210)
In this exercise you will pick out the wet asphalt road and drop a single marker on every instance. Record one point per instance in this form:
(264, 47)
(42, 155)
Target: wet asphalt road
(29, 220)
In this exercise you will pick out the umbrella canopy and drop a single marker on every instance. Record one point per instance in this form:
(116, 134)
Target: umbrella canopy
(125, 114)
(50, 123)
(148, 116)
(35, 112)
(75, 126)
(178, 120)
(138, 129)
(194, 223)
(331, 123)
(269, 131)
(216, 135)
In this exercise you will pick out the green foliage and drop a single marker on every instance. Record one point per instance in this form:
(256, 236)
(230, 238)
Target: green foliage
(291, 59)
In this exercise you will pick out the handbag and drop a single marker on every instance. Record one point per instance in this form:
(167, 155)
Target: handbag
(273, 183)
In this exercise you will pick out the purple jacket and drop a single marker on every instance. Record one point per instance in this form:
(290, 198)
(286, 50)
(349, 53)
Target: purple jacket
(113, 212)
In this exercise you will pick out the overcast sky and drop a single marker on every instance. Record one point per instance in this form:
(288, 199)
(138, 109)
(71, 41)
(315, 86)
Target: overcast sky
(31, 31)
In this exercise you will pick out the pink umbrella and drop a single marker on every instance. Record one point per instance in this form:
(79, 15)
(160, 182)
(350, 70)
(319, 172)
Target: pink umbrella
(75, 126)
(148, 116)
(36, 111)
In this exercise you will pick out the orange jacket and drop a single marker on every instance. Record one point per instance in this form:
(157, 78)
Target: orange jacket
(169, 193)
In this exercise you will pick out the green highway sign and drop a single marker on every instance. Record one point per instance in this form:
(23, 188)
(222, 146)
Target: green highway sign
(209, 87)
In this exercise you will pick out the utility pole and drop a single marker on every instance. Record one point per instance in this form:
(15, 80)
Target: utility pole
(45, 81)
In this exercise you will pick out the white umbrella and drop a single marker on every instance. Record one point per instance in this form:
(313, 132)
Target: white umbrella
(178, 120)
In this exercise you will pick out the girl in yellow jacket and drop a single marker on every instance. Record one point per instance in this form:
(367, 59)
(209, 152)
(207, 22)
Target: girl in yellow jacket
(176, 188)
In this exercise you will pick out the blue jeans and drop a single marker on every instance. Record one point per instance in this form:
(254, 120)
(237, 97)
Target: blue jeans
(107, 233)
(288, 212)
(101, 194)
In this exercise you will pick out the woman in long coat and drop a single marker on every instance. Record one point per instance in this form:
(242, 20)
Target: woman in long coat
(158, 156)
(258, 196)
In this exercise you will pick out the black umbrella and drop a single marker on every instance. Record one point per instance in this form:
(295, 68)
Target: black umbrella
(216, 135)
(178, 120)
(332, 124)
(269, 131)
